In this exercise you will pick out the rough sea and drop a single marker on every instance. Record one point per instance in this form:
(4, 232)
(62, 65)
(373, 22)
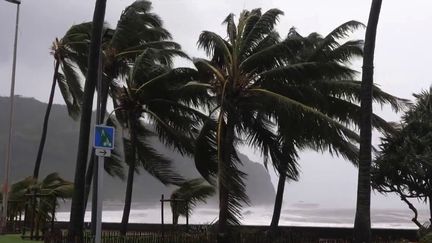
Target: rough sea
(294, 216)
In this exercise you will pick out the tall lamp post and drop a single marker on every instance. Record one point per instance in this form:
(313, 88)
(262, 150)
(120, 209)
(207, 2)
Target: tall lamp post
(11, 115)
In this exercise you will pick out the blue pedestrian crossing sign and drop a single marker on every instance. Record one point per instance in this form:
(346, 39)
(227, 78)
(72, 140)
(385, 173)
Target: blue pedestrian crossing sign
(104, 137)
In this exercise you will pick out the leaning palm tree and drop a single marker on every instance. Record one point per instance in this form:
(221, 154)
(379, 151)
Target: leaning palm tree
(147, 105)
(185, 198)
(138, 29)
(66, 57)
(362, 223)
(262, 95)
(337, 98)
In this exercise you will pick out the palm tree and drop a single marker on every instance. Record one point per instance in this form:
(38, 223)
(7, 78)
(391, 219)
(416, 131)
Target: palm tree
(337, 98)
(148, 105)
(188, 195)
(137, 29)
(362, 217)
(51, 187)
(66, 58)
(77, 206)
(262, 95)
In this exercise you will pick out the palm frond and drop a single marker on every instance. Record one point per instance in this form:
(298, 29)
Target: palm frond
(156, 164)
(215, 46)
(73, 81)
(73, 107)
(260, 29)
(138, 24)
(342, 31)
(276, 54)
(206, 150)
(169, 135)
(204, 66)
(192, 192)
(326, 45)
(231, 28)
(315, 70)
(346, 51)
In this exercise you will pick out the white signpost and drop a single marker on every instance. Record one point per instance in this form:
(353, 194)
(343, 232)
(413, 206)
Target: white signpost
(103, 144)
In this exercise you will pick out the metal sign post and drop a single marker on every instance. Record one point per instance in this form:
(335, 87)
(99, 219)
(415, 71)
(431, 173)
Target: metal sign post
(103, 144)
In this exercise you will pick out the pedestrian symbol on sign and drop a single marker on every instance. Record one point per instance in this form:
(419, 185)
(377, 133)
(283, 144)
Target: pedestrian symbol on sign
(104, 137)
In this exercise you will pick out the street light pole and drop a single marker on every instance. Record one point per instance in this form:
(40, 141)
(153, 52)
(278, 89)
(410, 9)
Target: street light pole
(11, 115)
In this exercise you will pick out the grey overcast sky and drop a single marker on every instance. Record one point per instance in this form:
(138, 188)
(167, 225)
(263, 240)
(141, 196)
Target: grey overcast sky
(402, 61)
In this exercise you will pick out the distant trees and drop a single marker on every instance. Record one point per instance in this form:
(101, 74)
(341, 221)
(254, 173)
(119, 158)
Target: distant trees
(404, 164)
(38, 209)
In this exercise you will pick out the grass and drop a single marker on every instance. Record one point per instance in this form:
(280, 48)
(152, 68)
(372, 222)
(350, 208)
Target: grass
(14, 239)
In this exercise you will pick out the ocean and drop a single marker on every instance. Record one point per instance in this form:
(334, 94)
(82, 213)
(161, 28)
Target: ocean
(261, 215)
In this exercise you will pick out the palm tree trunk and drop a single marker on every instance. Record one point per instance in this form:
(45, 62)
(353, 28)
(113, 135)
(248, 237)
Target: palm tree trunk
(362, 232)
(430, 209)
(228, 139)
(128, 199)
(77, 207)
(278, 203)
(130, 179)
(45, 124)
(223, 213)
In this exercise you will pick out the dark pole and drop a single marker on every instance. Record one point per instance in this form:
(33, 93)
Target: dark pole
(187, 216)
(162, 214)
(32, 223)
(94, 195)
(53, 213)
(25, 219)
(99, 120)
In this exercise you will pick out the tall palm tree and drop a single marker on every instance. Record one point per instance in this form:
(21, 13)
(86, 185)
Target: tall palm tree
(362, 223)
(77, 206)
(147, 105)
(137, 29)
(337, 98)
(262, 95)
(66, 57)
(188, 195)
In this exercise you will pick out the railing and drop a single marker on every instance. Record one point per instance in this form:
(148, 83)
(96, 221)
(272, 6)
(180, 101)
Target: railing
(205, 237)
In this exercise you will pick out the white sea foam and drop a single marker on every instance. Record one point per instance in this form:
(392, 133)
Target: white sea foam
(320, 217)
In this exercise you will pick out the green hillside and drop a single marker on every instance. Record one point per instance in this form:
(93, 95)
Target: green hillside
(60, 154)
